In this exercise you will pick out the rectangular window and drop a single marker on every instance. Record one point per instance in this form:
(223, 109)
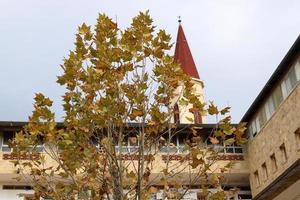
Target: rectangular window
(268, 112)
(274, 162)
(257, 125)
(283, 153)
(40, 145)
(277, 97)
(181, 144)
(121, 147)
(234, 148)
(95, 141)
(297, 69)
(133, 144)
(128, 145)
(256, 177)
(7, 138)
(262, 118)
(176, 114)
(289, 82)
(238, 149)
(297, 138)
(252, 129)
(284, 89)
(171, 147)
(265, 170)
(16, 187)
(270, 108)
(124, 146)
(229, 149)
(292, 78)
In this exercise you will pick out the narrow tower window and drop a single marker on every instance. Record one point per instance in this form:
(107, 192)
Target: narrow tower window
(274, 162)
(256, 177)
(297, 138)
(197, 116)
(265, 170)
(176, 114)
(283, 153)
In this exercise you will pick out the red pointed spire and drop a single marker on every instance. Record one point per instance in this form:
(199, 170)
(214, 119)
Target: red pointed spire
(183, 54)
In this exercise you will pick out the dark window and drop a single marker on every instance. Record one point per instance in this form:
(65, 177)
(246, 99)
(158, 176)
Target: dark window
(230, 149)
(7, 139)
(16, 187)
(297, 138)
(95, 141)
(176, 114)
(39, 146)
(238, 149)
(256, 177)
(197, 118)
(274, 162)
(283, 152)
(245, 196)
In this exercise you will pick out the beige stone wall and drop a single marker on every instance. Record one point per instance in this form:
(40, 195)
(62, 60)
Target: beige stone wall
(279, 130)
(184, 112)
(237, 175)
(8, 170)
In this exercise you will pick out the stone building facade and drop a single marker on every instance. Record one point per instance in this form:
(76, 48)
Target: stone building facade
(273, 149)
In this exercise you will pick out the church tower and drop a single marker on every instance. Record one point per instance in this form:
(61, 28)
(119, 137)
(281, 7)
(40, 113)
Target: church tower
(184, 57)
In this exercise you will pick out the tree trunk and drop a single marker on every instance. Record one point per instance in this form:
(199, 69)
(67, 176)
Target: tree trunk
(117, 186)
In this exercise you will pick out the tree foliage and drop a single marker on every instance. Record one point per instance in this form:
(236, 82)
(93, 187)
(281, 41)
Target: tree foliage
(120, 87)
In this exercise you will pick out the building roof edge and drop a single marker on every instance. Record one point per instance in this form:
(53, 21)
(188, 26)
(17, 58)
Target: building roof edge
(278, 74)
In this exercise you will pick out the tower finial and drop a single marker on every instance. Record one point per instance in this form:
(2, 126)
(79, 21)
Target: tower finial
(179, 19)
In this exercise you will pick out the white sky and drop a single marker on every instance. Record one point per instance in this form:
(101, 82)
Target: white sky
(236, 44)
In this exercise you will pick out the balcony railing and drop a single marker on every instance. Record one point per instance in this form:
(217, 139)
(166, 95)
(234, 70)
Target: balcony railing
(165, 149)
(229, 149)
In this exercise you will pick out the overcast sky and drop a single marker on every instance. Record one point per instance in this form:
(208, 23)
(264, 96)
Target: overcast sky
(236, 44)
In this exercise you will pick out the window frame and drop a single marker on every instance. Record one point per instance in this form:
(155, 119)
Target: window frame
(9, 149)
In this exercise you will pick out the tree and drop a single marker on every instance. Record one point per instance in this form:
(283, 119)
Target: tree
(120, 88)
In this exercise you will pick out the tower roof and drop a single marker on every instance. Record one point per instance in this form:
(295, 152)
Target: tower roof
(184, 56)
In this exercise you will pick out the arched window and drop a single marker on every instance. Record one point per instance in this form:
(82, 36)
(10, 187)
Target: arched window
(197, 117)
(176, 114)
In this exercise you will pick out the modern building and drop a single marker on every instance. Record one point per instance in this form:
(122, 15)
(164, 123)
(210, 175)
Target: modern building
(267, 167)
